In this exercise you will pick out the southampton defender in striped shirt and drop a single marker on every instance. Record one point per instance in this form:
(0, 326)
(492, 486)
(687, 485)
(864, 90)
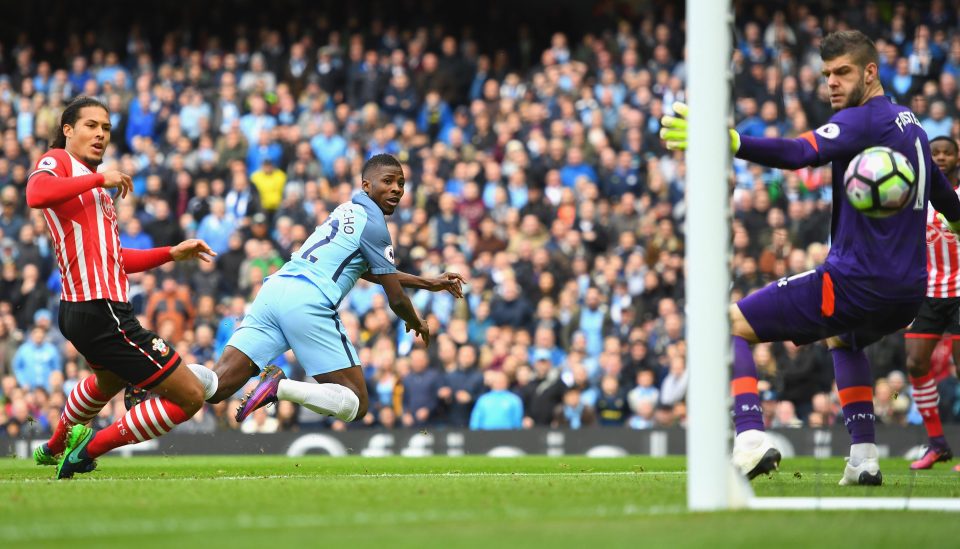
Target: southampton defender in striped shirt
(939, 314)
(94, 313)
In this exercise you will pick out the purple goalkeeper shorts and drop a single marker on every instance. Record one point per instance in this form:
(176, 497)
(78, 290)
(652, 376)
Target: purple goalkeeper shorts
(808, 307)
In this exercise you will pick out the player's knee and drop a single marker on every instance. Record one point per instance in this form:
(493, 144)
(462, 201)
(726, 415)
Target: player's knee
(739, 327)
(191, 399)
(362, 404)
(353, 407)
(191, 402)
(916, 365)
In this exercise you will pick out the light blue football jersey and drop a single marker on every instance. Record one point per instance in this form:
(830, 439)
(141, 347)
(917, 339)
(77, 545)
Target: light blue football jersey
(353, 240)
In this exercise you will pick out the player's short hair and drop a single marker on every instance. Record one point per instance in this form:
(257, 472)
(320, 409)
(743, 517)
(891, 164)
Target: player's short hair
(956, 147)
(70, 116)
(853, 42)
(379, 161)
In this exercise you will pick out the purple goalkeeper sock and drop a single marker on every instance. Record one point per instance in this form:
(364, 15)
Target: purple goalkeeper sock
(855, 385)
(747, 413)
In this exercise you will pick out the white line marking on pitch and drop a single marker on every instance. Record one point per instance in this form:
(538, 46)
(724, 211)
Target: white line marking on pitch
(261, 521)
(328, 476)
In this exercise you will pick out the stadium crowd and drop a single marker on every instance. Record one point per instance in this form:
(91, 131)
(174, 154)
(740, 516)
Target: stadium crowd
(533, 168)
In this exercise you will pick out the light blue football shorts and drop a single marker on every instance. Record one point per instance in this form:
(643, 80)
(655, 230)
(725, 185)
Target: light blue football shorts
(291, 313)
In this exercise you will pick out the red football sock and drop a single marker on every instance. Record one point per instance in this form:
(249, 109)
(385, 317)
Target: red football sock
(83, 404)
(926, 396)
(148, 420)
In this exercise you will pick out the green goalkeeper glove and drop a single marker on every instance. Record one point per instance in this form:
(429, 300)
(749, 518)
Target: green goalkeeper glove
(673, 130)
(954, 226)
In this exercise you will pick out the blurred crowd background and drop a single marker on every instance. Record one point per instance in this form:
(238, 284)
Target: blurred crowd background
(528, 135)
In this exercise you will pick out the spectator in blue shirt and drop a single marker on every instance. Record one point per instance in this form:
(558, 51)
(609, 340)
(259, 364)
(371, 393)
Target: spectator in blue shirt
(79, 74)
(110, 69)
(328, 146)
(575, 168)
(216, 227)
(257, 120)
(193, 111)
(263, 149)
(592, 320)
(25, 119)
(938, 124)
(498, 409)
(545, 346)
(362, 296)
(141, 119)
(133, 237)
(41, 82)
(752, 124)
(35, 360)
(229, 323)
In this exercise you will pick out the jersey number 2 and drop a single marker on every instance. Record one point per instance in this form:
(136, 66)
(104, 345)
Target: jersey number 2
(334, 228)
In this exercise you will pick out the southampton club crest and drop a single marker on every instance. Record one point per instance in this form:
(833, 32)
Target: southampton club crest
(106, 204)
(160, 346)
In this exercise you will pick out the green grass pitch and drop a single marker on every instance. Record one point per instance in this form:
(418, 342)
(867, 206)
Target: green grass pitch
(314, 501)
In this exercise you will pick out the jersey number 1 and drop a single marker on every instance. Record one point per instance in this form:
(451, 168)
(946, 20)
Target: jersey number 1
(334, 228)
(921, 177)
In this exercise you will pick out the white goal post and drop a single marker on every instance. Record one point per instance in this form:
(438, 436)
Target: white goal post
(712, 484)
(709, 481)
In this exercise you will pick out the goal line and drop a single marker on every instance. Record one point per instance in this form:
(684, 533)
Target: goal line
(853, 503)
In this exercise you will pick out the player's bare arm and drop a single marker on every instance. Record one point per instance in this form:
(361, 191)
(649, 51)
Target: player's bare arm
(400, 304)
(447, 282)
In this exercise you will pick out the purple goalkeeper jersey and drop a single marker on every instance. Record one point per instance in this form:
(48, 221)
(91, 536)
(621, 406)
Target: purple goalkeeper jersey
(874, 259)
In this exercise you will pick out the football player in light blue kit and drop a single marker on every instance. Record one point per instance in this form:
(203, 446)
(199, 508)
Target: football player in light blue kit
(297, 306)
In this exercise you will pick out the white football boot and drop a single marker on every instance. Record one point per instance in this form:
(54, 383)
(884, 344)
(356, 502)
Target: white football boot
(754, 454)
(863, 466)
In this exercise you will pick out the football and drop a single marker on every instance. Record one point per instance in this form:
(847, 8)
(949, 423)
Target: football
(880, 182)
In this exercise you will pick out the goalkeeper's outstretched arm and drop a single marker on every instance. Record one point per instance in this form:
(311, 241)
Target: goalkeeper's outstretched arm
(775, 152)
(785, 153)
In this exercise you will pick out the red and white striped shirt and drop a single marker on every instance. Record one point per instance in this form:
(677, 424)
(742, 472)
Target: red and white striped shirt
(943, 258)
(83, 227)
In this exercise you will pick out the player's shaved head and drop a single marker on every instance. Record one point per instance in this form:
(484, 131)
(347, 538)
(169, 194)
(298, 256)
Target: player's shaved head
(383, 181)
(946, 140)
(946, 155)
(378, 161)
(861, 49)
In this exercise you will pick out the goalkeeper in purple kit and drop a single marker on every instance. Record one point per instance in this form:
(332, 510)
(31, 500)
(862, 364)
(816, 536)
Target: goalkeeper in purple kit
(874, 278)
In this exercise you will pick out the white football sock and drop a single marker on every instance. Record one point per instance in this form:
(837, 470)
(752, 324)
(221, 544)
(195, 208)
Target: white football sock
(328, 399)
(207, 378)
(749, 439)
(861, 452)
